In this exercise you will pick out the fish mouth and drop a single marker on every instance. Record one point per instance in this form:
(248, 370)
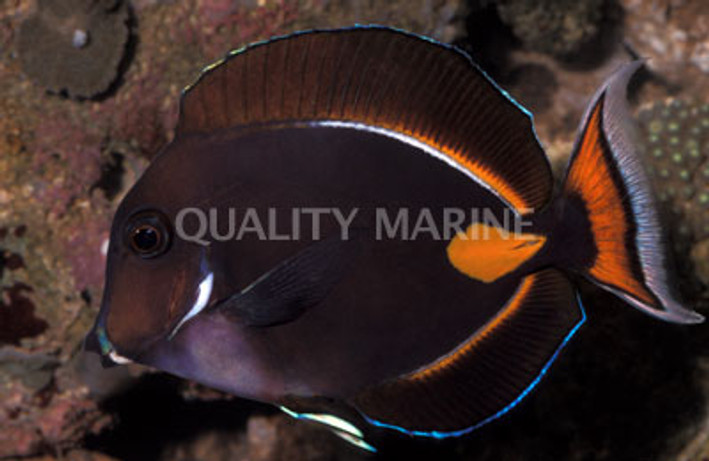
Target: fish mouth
(97, 342)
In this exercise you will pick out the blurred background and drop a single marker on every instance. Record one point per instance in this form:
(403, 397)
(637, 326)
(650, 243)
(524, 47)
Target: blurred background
(89, 91)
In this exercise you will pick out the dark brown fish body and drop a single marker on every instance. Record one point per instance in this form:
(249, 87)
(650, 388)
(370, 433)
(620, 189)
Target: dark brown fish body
(430, 330)
(391, 284)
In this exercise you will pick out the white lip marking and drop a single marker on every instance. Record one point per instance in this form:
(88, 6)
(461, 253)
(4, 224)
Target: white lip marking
(204, 292)
(119, 359)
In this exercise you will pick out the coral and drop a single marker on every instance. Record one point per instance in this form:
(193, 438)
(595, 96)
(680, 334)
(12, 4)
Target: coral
(440, 19)
(34, 370)
(140, 115)
(557, 27)
(267, 438)
(218, 26)
(66, 161)
(88, 231)
(676, 140)
(673, 36)
(18, 319)
(700, 255)
(17, 316)
(49, 252)
(74, 45)
(61, 418)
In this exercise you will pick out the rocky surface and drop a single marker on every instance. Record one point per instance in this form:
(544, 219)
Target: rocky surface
(673, 35)
(557, 27)
(627, 388)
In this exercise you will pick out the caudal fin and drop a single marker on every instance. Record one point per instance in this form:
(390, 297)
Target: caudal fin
(606, 177)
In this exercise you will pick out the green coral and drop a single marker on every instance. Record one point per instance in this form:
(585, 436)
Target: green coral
(675, 136)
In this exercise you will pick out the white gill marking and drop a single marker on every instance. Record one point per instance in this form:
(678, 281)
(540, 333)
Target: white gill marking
(203, 293)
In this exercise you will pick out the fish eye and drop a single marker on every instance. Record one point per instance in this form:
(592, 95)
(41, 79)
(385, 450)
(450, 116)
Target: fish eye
(148, 234)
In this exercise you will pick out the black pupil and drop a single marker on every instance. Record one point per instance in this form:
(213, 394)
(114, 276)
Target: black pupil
(146, 238)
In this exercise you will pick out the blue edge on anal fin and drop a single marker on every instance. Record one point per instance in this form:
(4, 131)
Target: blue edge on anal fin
(443, 435)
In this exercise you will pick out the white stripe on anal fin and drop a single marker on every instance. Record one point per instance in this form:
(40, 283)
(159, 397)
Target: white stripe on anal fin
(342, 428)
(328, 420)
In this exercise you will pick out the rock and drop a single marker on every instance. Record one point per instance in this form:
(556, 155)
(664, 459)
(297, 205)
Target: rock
(700, 256)
(673, 35)
(556, 27)
(267, 438)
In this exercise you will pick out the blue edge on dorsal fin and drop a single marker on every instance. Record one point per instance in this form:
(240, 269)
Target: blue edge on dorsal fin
(357, 26)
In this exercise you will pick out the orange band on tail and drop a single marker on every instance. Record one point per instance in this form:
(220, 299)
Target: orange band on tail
(591, 178)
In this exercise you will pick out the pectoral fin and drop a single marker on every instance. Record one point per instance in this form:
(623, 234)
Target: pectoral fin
(297, 284)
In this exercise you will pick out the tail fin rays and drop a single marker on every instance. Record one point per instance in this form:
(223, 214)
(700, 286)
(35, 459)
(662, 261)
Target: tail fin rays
(606, 173)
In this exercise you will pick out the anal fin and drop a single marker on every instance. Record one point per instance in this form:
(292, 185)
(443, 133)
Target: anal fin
(489, 373)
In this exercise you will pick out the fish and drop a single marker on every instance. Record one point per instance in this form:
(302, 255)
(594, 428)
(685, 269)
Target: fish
(419, 271)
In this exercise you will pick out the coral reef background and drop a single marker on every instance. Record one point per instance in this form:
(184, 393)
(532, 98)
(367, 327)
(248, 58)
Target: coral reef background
(89, 93)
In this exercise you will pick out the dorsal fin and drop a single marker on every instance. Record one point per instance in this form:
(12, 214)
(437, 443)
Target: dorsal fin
(383, 78)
